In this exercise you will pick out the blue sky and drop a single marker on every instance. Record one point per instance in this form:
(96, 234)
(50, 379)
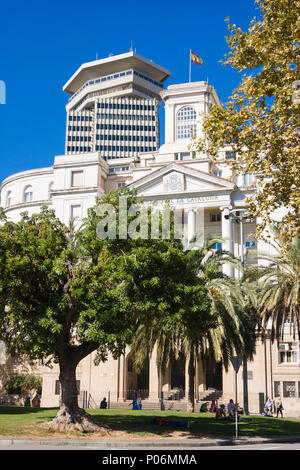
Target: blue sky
(43, 43)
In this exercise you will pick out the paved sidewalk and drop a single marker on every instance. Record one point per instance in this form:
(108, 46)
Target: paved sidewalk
(171, 444)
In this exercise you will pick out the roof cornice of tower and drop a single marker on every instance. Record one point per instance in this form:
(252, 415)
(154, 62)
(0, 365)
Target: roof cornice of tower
(113, 64)
(191, 88)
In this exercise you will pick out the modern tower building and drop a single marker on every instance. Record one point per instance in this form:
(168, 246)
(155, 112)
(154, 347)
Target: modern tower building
(113, 107)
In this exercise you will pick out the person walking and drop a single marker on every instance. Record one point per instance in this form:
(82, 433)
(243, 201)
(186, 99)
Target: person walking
(279, 407)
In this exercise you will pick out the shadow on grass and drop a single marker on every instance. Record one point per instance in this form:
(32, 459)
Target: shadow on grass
(137, 423)
(203, 425)
(19, 410)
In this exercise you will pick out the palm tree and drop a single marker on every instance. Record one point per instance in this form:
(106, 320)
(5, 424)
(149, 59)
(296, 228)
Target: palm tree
(230, 330)
(278, 284)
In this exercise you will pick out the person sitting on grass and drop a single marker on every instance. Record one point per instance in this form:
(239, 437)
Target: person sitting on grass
(268, 407)
(204, 407)
(213, 407)
(103, 404)
(220, 413)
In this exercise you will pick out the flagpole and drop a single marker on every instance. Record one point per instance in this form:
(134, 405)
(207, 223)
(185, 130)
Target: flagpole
(190, 74)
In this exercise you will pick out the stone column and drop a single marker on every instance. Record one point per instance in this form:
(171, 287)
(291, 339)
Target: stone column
(154, 376)
(227, 235)
(187, 380)
(191, 229)
(121, 366)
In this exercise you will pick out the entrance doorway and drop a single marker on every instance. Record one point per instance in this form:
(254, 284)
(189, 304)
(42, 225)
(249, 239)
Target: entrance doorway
(137, 382)
(214, 374)
(177, 384)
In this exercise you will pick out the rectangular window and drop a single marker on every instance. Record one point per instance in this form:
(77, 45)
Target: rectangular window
(288, 357)
(289, 389)
(277, 392)
(77, 179)
(75, 212)
(230, 155)
(248, 179)
(58, 387)
(218, 173)
(217, 246)
(215, 217)
(250, 244)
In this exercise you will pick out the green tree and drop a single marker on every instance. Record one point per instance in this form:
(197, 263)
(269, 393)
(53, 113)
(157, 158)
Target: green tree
(219, 300)
(261, 119)
(65, 294)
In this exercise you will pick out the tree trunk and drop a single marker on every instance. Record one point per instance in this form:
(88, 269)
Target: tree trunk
(70, 416)
(191, 372)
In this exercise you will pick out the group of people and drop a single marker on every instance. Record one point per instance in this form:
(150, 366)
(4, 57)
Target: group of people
(204, 407)
(220, 410)
(278, 407)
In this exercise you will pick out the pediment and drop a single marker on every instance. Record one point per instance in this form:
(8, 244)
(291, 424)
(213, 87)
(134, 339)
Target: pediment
(179, 179)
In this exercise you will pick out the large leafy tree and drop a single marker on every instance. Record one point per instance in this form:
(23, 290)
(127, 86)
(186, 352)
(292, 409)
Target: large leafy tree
(229, 328)
(66, 293)
(261, 119)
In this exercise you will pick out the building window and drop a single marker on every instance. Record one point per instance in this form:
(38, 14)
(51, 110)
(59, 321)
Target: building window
(215, 216)
(277, 392)
(230, 155)
(8, 199)
(75, 212)
(289, 389)
(77, 179)
(250, 244)
(186, 123)
(121, 185)
(217, 246)
(218, 173)
(28, 194)
(248, 179)
(58, 387)
(288, 357)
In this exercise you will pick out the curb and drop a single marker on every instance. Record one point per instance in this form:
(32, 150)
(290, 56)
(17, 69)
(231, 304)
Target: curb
(148, 445)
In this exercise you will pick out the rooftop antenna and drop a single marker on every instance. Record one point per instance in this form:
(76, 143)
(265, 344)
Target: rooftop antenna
(96, 55)
(130, 49)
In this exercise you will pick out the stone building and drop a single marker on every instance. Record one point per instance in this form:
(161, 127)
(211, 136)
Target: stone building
(200, 194)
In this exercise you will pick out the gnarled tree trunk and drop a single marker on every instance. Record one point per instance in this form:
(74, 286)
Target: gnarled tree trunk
(70, 416)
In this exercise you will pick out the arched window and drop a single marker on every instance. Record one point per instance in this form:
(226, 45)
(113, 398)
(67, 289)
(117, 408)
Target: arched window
(8, 199)
(28, 194)
(186, 122)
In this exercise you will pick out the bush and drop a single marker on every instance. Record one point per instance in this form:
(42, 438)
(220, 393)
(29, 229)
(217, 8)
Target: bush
(24, 383)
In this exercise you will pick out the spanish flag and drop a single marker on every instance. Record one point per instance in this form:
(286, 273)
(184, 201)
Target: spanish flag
(196, 59)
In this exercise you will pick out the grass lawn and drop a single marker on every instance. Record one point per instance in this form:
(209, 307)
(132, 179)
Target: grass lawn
(23, 422)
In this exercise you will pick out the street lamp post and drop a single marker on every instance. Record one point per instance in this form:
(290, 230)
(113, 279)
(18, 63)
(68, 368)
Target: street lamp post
(239, 215)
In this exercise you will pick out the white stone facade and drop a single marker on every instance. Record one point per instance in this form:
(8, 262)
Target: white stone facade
(201, 195)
